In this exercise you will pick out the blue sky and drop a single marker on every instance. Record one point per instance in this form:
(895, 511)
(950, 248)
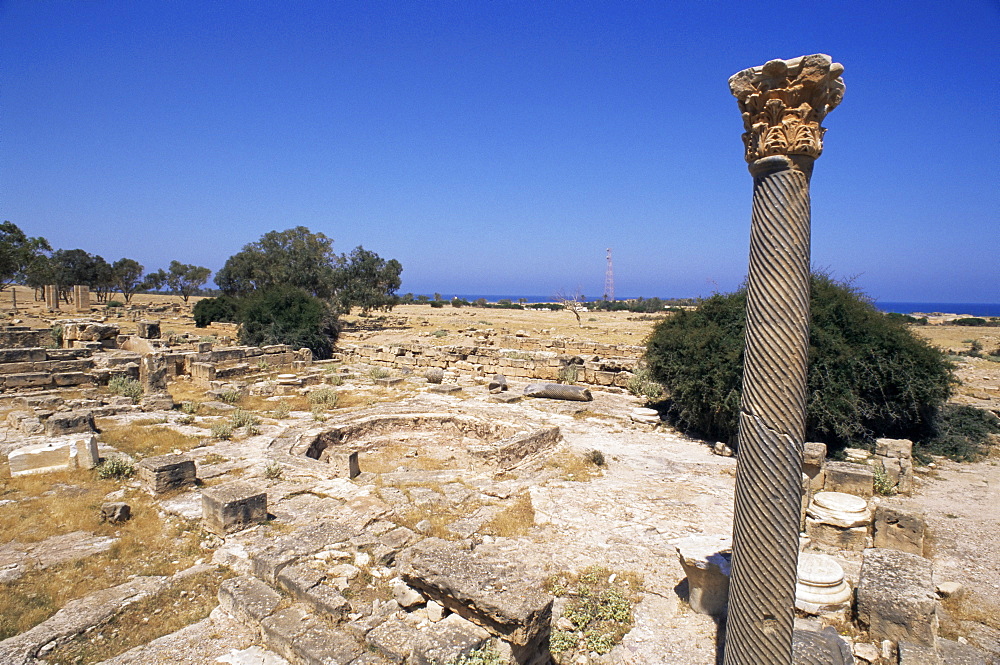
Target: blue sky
(500, 147)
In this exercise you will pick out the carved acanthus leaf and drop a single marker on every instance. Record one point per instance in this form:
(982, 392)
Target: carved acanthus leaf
(783, 103)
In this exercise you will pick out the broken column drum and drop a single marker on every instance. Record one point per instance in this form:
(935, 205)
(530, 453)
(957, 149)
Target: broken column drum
(782, 103)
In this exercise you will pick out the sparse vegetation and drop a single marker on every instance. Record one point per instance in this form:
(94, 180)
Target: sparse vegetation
(273, 471)
(599, 607)
(324, 398)
(515, 520)
(117, 468)
(241, 418)
(568, 373)
(641, 384)
(379, 373)
(282, 410)
(222, 430)
(485, 655)
(231, 396)
(961, 433)
(146, 441)
(126, 387)
(883, 483)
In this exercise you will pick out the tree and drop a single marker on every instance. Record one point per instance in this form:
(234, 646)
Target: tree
(288, 315)
(103, 279)
(186, 279)
(19, 254)
(868, 376)
(127, 277)
(294, 257)
(72, 266)
(223, 308)
(368, 281)
(572, 303)
(154, 281)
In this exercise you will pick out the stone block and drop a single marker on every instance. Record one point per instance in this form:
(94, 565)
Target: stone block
(248, 599)
(328, 600)
(899, 527)
(895, 457)
(706, 561)
(64, 379)
(396, 640)
(148, 329)
(343, 465)
(450, 639)
(497, 384)
(28, 380)
(60, 455)
(896, 599)
(917, 654)
(493, 593)
(115, 512)
(853, 539)
(434, 375)
(389, 381)
(29, 355)
(957, 653)
(814, 464)
(157, 402)
(166, 472)
(298, 578)
(850, 478)
(69, 422)
(233, 506)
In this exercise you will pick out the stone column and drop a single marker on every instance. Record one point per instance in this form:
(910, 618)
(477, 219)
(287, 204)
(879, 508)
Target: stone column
(783, 103)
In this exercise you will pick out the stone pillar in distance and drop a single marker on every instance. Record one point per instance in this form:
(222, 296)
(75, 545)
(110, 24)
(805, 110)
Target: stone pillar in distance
(783, 103)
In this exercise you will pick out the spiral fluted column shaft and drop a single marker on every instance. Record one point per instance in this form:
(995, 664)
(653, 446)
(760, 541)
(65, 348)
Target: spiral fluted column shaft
(783, 103)
(772, 417)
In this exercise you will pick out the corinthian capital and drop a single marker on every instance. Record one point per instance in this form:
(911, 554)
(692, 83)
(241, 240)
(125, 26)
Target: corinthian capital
(783, 103)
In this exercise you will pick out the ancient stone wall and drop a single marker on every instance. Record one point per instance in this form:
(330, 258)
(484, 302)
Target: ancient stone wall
(556, 363)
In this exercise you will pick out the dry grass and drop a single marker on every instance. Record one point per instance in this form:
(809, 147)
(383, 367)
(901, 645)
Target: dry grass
(52, 503)
(147, 545)
(515, 520)
(147, 441)
(184, 603)
(388, 458)
(574, 466)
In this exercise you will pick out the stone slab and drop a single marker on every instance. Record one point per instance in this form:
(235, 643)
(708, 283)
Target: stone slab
(59, 455)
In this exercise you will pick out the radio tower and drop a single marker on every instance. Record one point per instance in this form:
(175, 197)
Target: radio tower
(609, 281)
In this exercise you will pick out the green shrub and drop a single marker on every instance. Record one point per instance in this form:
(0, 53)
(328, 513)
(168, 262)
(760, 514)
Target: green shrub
(569, 373)
(379, 373)
(241, 418)
(641, 384)
(126, 387)
(324, 397)
(437, 303)
(596, 457)
(231, 396)
(906, 318)
(116, 467)
(868, 377)
(961, 433)
(282, 410)
(485, 655)
(222, 430)
(224, 308)
(286, 315)
(57, 336)
(970, 321)
(273, 471)
(115, 303)
(440, 333)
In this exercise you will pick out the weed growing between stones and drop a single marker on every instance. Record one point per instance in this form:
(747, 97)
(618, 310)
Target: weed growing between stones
(126, 387)
(324, 398)
(190, 408)
(379, 373)
(231, 396)
(485, 655)
(117, 468)
(222, 431)
(282, 410)
(241, 418)
(641, 384)
(273, 471)
(883, 483)
(598, 612)
(568, 374)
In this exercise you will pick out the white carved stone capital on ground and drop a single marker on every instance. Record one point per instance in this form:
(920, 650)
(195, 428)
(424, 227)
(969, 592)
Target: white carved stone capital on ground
(706, 562)
(783, 103)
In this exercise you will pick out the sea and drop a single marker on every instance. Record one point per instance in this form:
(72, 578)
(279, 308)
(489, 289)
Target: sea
(970, 308)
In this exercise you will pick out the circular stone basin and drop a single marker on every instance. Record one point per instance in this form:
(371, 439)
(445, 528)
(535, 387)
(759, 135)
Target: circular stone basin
(389, 442)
